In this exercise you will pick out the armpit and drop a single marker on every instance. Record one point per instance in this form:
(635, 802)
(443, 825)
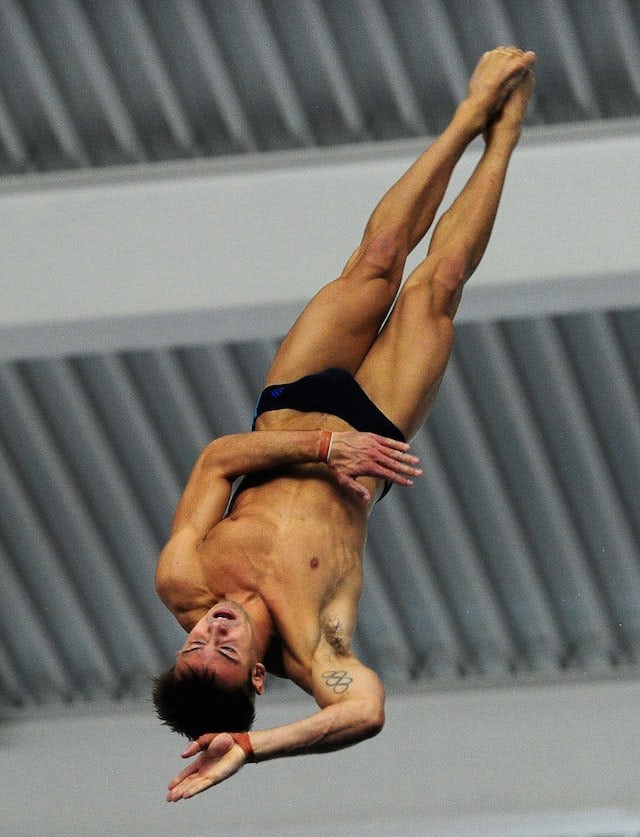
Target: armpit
(335, 635)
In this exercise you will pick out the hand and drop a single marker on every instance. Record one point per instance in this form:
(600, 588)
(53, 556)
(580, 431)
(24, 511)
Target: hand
(354, 454)
(220, 758)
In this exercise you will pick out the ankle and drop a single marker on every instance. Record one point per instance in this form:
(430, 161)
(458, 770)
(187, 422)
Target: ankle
(471, 117)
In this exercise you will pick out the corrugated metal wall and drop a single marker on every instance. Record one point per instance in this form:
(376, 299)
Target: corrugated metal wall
(91, 83)
(518, 551)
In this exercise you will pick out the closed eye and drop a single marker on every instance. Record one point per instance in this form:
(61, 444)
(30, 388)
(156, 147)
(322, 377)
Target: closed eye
(229, 653)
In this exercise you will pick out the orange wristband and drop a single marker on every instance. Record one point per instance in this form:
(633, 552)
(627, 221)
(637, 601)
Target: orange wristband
(244, 742)
(325, 445)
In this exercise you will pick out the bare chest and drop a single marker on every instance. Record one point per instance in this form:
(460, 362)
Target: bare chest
(298, 559)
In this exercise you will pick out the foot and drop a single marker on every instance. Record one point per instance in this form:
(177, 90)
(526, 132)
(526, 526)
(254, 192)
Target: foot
(497, 75)
(507, 123)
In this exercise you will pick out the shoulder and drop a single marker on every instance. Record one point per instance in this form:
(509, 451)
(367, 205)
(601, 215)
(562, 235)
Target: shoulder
(179, 578)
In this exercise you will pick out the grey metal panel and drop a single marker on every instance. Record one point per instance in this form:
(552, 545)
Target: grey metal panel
(493, 562)
(500, 539)
(518, 549)
(101, 589)
(449, 548)
(94, 83)
(611, 546)
(527, 470)
(423, 614)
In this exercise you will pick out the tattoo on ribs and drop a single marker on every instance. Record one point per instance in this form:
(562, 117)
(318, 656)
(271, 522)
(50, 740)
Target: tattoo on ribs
(339, 681)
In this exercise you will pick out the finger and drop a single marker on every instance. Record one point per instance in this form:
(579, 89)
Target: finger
(399, 462)
(188, 790)
(393, 474)
(193, 767)
(392, 443)
(200, 744)
(399, 455)
(355, 486)
(191, 750)
(198, 787)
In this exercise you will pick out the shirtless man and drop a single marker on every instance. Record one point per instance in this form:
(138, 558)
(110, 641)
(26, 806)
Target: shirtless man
(273, 582)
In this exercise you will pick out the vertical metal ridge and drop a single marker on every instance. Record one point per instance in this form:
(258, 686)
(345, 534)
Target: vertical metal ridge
(44, 86)
(101, 481)
(30, 657)
(276, 74)
(132, 436)
(170, 403)
(217, 77)
(538, 501)
(427, 628)
(152, 63)
(600, 366)
(582, 471)
(398, 82)
(379, 630)
(11, 139)
(456, 564)
(101, 590)
(502, 542)
(628, 38)
(320, 35)
(100, 79)
(45, 579)
(573, 57)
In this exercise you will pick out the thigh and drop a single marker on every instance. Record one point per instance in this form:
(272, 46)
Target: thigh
(405, 366)
(337, 328)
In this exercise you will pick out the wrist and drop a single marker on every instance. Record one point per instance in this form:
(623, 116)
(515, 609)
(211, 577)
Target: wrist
(243, 741)
(326, 442)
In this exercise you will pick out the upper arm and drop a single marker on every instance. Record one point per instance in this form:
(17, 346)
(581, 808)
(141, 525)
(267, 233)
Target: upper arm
(339, 678)
(204, 499)
(179, 580)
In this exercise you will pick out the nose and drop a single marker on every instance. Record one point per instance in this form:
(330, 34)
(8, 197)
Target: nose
(218, 627)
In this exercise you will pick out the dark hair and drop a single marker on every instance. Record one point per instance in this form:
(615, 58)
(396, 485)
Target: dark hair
(195, 703)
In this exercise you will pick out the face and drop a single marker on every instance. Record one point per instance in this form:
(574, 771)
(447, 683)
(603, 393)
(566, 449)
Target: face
(222, 643)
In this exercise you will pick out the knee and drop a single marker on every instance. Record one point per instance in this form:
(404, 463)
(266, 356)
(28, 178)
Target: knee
(447, 281)
(385, 253)
(421, 309)
(450, 273)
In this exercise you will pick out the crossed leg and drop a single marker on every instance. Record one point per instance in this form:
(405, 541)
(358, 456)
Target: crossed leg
(401, 366)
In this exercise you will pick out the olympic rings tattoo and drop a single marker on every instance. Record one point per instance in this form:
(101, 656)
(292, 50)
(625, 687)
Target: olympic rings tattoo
(339, 681)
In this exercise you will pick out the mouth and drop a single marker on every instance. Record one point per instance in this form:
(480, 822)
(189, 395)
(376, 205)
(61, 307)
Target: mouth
(224, 613)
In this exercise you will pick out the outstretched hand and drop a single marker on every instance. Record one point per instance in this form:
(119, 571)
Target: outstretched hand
(220, 757)
(355, 454)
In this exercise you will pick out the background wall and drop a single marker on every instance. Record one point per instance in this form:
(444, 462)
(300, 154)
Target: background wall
(499, 761)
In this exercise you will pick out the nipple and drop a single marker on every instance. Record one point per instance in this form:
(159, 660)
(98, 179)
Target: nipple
(315, 562)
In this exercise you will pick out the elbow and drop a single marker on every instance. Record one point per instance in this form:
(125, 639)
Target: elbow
(372, 720)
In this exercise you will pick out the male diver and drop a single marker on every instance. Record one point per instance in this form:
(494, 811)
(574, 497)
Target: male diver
(271, 581)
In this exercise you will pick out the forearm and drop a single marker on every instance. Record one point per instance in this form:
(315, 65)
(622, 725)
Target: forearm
(409, 207)
(246, 453)
(333, 728)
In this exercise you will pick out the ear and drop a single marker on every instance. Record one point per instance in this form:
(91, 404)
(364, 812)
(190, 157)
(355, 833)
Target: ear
(258, 678)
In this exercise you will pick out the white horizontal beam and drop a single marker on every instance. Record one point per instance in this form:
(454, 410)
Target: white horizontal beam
(219, 251)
